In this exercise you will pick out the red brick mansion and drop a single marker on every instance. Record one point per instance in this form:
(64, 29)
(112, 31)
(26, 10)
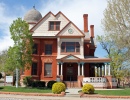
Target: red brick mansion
(62, 50)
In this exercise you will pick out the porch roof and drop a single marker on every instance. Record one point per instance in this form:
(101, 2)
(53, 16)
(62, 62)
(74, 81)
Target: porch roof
(86, 59)
(93, 59)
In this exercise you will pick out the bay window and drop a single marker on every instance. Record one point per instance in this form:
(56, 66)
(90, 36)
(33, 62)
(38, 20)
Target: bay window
(70, 47)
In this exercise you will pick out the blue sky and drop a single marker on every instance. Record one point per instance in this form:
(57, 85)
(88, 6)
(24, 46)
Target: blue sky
(73, 9)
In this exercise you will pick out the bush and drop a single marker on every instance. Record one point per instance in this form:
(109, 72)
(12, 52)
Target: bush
(58, 87)
(0, 75)
(50, 83)
(88, 88)
(38, 84)
(27, 80)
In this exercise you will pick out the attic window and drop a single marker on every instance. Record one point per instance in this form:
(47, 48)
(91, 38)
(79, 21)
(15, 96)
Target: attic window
(54, 26)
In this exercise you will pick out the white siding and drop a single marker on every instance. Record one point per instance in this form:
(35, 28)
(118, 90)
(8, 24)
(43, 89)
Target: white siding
(42, 28)
(76, 32)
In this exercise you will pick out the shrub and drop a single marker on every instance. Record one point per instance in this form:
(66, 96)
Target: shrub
(58, 87)
(0, 75)
(88, 88)
(50, 83)
(38, 84)
(27, 80)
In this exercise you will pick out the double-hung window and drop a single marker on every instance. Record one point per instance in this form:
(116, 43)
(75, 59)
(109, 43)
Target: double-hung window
(35, 48)
(48, 69)
(54, 25)
(34, 69)
(48, 49)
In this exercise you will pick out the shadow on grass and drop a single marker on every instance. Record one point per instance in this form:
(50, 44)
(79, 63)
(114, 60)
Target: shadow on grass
(40, 88)
(1, 88)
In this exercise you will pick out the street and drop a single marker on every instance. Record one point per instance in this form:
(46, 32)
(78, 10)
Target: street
(22, 97)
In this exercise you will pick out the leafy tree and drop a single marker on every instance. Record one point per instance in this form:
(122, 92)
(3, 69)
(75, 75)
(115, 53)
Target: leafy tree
(116, 23)
(19, 56)
(3, 57)
(115, 54)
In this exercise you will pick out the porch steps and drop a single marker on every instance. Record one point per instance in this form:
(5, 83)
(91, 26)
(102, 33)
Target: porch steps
(71, 84)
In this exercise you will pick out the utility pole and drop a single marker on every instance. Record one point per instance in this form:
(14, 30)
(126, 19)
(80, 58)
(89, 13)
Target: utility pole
(17, 77)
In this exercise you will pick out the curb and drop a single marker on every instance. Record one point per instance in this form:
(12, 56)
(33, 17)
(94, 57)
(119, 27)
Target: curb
(34, 94)
(63, 94)
(103, 96)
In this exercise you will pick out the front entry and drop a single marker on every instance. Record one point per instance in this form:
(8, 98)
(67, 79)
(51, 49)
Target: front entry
(70, 72)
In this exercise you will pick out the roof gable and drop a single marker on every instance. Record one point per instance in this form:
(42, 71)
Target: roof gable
(45, 17)
(70, 57)
(70, 30)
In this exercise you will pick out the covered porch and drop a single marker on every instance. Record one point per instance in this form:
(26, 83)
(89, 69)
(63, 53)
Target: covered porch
(72, 69)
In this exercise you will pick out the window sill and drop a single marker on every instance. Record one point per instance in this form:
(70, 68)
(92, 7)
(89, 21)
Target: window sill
(70, 53)
(35, 76)
(53, 30)
(47, 76)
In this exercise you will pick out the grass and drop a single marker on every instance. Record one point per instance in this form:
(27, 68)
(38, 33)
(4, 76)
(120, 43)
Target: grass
(25, 89)
(118, 92)
(123, 92)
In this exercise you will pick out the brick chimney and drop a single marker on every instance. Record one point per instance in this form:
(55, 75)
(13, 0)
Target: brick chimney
(85, 17)
(92, 31)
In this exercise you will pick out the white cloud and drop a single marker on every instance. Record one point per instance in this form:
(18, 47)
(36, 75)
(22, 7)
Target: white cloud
(5, 21)
(73, 9)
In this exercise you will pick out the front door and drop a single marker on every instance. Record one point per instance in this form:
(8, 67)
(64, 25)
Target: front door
(69, 73)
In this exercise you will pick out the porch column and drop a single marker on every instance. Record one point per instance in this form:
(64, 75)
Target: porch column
(109, 70)
(100, 71)
(105, 69)
(97, 72)
(61, 71)
(78, 69)
(82, 69)
(57, 69)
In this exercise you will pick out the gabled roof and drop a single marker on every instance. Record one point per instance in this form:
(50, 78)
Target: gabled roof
(58, 34)
(70, 57)
(46, 16)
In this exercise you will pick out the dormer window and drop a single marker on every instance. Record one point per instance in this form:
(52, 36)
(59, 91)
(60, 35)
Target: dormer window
(54, 25)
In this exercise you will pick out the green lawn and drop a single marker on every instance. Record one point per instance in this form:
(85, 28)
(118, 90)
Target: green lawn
(25, 89)
(123, 92)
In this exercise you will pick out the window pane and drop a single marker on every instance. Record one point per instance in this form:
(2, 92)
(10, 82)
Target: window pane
(77, 43)
(62, 48)
(48, 49)
(70, 48)
(51, 26)
(70, 43)
(57, 25)
(48, 69)
(34, 69)
(35, 49)
(77, 48)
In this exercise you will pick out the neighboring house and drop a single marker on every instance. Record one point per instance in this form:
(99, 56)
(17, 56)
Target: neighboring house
(62, 50)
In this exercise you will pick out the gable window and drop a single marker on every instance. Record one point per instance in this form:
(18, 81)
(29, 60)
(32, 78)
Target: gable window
(70, 47)
(48, 49)
(48, 69)
(35, 48)
(34, 69)
(54, 26)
